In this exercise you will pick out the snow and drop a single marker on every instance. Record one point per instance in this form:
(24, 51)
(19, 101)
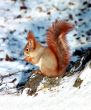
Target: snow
(64, 97)
(86, 76)
(37, 16)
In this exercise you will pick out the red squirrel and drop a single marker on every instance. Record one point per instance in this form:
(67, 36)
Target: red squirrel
(53, 59)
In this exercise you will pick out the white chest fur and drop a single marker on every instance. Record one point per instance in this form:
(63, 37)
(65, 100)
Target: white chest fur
(39, 63)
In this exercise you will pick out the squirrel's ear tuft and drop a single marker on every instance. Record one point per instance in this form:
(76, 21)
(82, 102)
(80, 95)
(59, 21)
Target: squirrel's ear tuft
(31, 39)
(30, 36)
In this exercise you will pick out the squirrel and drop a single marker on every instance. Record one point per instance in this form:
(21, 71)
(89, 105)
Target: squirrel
(53, 59)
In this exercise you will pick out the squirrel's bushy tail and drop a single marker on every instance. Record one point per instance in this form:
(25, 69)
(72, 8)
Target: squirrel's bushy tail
(56, 40)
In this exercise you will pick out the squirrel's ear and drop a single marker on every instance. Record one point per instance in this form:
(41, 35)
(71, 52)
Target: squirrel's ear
(31, 39)
(30, 36)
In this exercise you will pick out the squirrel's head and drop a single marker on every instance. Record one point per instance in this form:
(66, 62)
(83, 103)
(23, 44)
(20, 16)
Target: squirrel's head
(31, 43)
(33, 49)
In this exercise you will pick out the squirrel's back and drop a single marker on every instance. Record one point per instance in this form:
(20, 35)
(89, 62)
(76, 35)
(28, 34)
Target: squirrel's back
(56, 40)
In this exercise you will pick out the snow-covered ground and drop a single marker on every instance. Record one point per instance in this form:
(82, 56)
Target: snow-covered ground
(17, 17)
(64, 97)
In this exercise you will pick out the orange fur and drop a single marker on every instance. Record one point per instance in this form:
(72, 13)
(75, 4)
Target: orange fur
(30, 37)
(28, 59)
(56, 40)
(54, 59)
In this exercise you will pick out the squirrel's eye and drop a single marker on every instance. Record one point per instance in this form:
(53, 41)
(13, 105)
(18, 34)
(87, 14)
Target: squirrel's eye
(27, 49)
